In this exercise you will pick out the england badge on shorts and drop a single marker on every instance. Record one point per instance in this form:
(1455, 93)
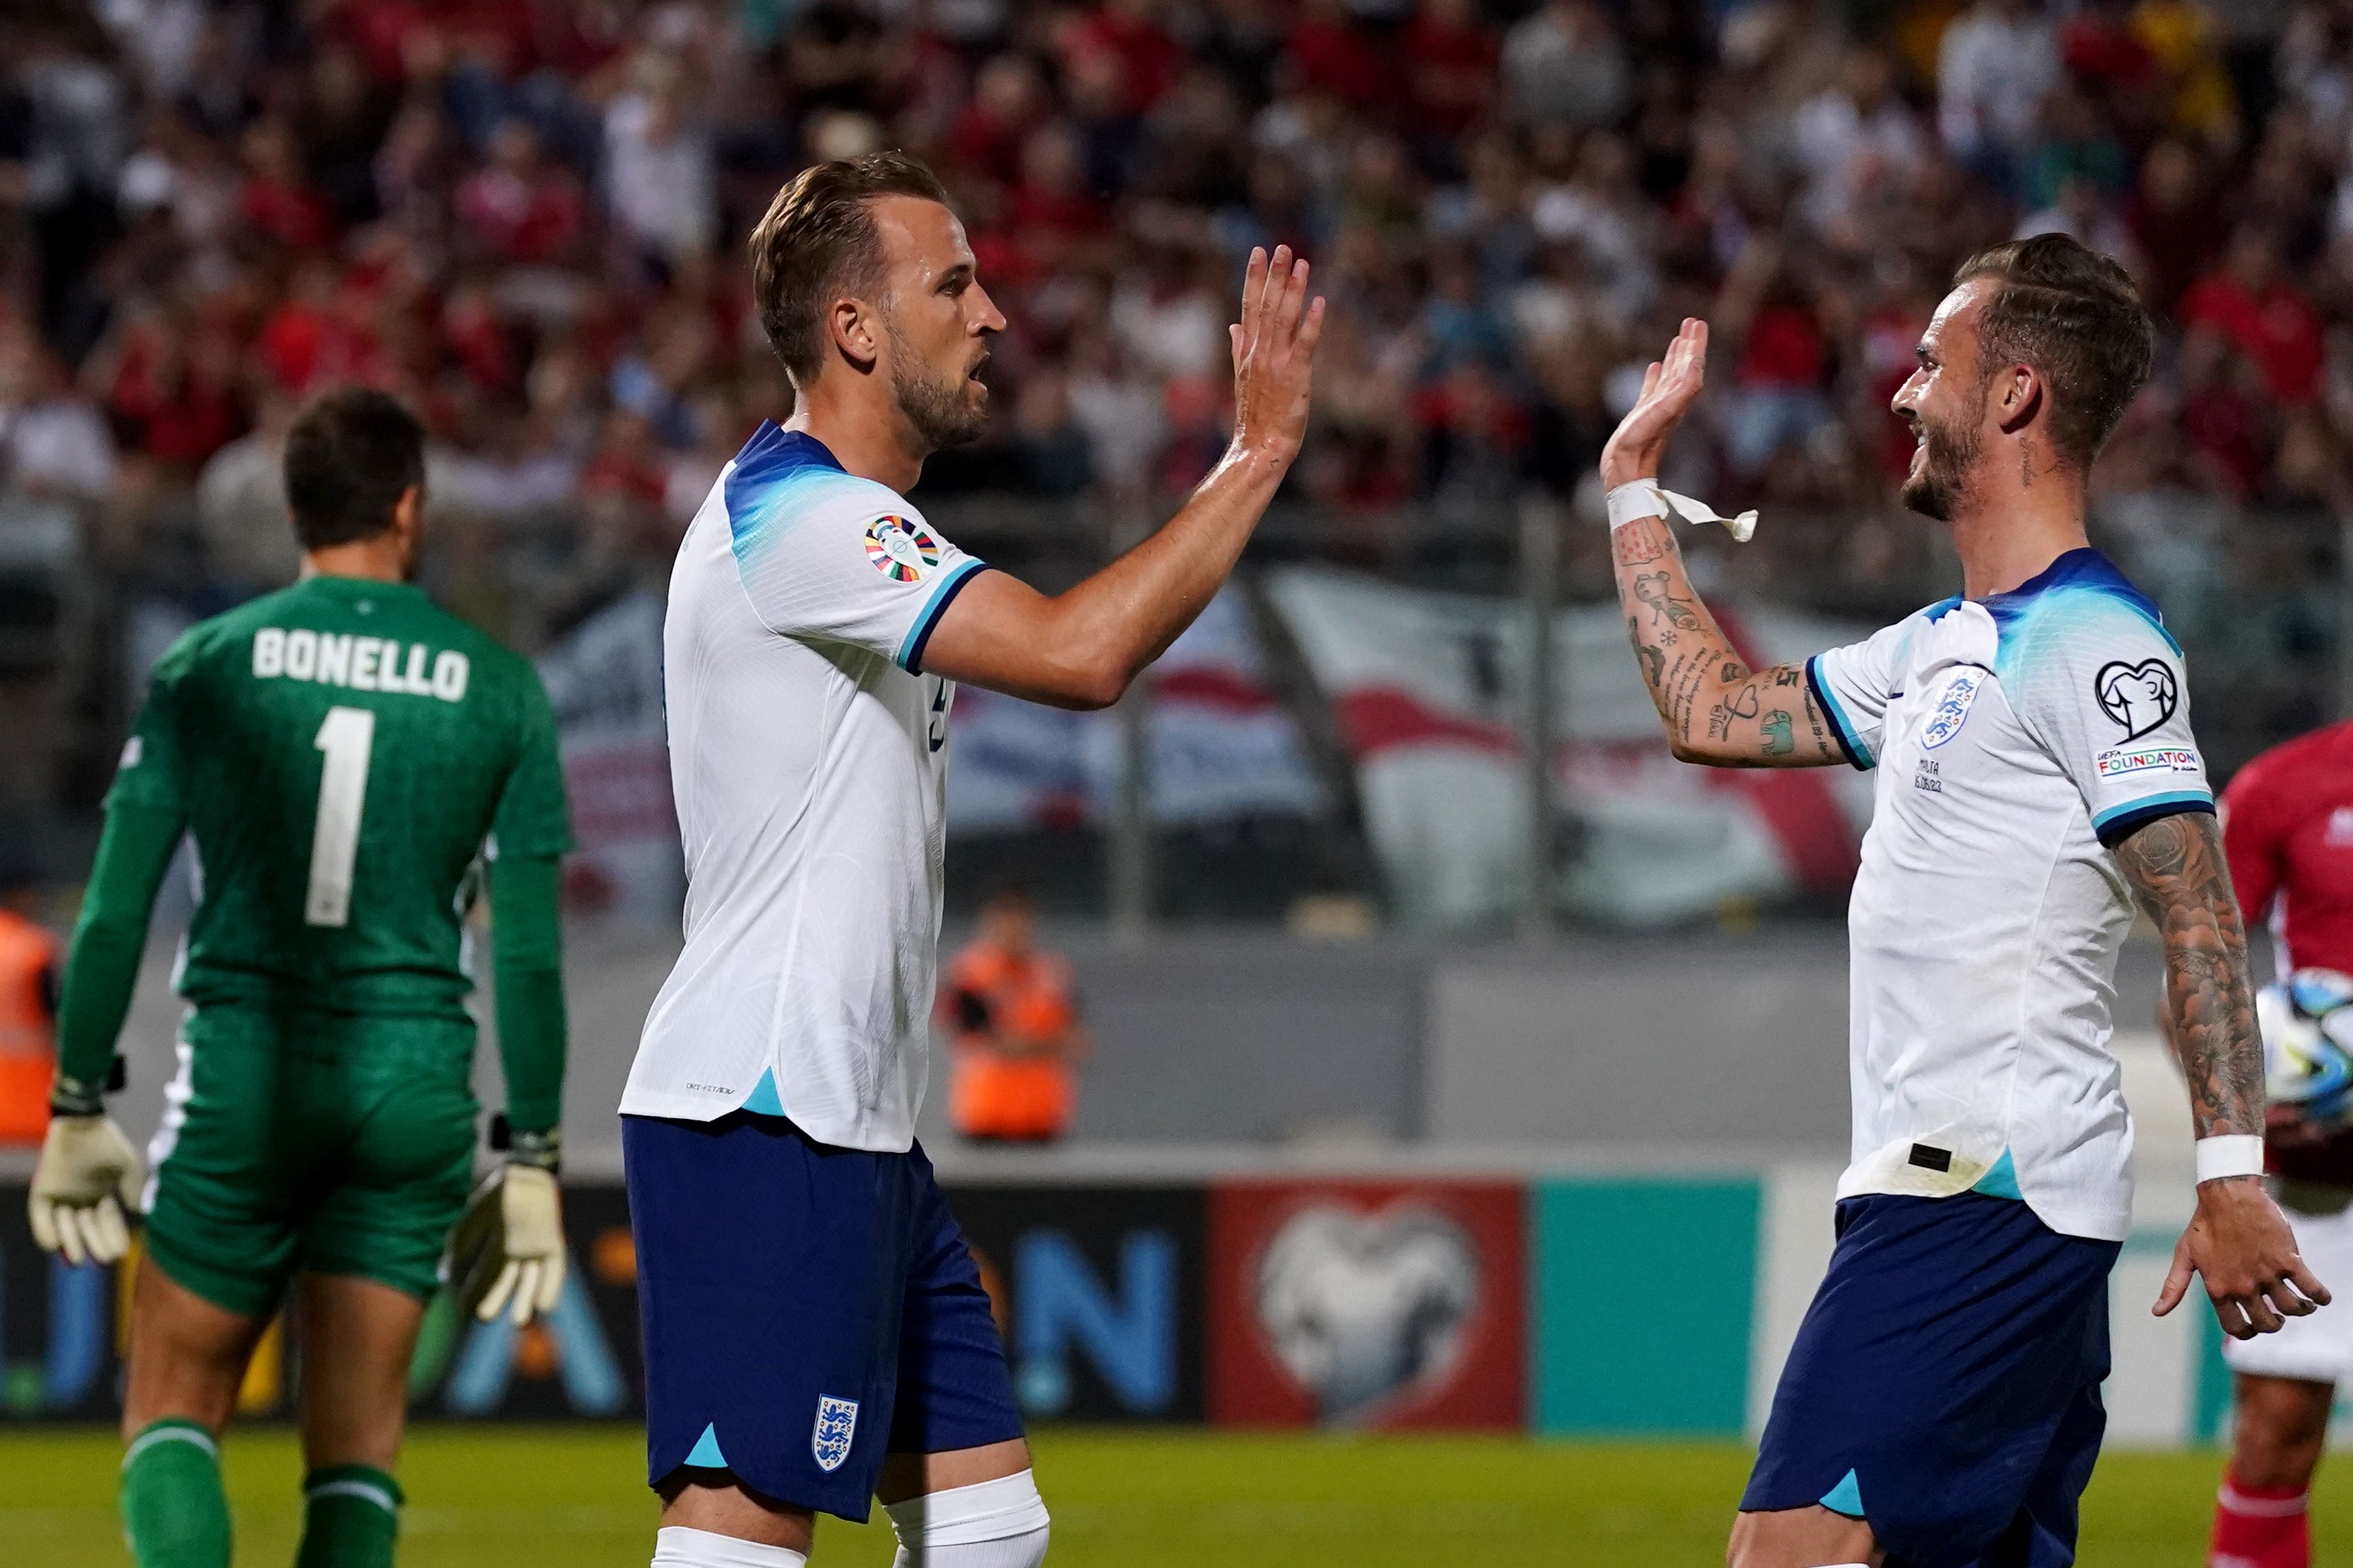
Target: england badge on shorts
(837, 1420)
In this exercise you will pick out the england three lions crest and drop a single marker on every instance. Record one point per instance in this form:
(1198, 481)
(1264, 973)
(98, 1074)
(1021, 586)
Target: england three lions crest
(1952, 709)
(836, 1423)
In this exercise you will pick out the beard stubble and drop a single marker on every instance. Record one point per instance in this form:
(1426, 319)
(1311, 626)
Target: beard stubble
(944, 410)
(1950, 451)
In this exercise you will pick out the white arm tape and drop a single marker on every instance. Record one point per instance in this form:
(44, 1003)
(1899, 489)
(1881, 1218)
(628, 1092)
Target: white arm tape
(2231, 1154)
(1643, 497)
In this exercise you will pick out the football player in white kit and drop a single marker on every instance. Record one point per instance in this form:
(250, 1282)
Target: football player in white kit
(2035, 773)
(815, 1332)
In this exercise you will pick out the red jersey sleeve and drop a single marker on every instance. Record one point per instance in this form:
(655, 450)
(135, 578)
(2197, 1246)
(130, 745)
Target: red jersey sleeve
(2252, 838)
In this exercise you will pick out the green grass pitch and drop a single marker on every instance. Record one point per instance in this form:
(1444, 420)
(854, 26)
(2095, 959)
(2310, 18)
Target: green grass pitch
(575, 1496)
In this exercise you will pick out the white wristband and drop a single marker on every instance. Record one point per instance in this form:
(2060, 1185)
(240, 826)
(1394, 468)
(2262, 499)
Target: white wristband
(1642, 498)
(2231, 1154)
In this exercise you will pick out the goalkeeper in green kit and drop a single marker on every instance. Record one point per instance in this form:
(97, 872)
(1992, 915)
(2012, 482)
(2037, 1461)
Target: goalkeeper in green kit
(349, 760)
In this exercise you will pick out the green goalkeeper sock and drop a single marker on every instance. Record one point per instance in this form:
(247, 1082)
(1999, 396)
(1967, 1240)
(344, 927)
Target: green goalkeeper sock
(351, 1516)
(173, 1510)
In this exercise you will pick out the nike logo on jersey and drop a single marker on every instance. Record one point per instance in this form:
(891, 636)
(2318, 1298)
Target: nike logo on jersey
(360, 664)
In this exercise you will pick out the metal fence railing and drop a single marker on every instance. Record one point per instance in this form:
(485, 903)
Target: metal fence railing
(2261, 599)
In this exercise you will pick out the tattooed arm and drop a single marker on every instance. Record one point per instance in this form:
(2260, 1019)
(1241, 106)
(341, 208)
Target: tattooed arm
(2176, 868)
(1716, 708)
(2238, 1241)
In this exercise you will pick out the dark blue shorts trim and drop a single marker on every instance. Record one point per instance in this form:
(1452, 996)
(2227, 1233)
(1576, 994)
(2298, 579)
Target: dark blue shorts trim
(1944, 1385)
(806, 1310)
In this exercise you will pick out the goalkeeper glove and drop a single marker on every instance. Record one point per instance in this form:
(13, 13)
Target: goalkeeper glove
(86, 1179)
(507, 1253)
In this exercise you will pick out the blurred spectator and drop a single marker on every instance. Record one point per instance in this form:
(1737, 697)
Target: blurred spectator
(2254, 306)
(51, 442)
(1450, 60)
(2103, 51)
(657, 169)
(518, 207)
(1008, 102)
(1773, 331)
(1330, 53)
(1854, 142)
(2074, 144)
(2221, 415)
(241, 503)
(1564, 65)
(1015, 1037)
(2187, 42)
(1119, 411)
(1995, 68)
(1600, 210)
(320, 335)
(279, 200)
(2079, 213)
(2171, 218)
(1049, 443)
(1127, 37)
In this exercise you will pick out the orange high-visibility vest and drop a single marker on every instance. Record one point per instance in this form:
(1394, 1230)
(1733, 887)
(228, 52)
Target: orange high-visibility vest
(996, 1094)
(29, 1036)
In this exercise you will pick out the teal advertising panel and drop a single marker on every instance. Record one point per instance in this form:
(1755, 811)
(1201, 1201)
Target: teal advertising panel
(1644, 1291)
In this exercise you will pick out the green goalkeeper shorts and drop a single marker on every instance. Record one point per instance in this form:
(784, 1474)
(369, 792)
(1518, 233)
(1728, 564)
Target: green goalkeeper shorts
(329, 1142)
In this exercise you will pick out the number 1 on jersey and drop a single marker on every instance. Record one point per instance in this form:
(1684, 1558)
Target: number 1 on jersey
(347, 736)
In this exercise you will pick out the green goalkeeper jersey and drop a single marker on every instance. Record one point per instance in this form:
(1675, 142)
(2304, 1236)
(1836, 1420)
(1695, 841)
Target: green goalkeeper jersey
(341, 752)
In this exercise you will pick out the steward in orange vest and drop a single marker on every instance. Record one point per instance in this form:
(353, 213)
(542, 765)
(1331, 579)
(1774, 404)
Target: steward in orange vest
(28, 1022)
(1013, 1024)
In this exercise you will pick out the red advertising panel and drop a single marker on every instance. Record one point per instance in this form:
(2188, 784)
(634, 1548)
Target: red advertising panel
(1379, 1304)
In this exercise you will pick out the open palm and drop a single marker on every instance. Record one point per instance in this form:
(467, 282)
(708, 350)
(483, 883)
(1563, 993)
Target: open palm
(1275, 354)
(1669, 389)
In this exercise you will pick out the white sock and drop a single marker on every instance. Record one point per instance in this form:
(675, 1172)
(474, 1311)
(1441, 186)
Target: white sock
(675, 1546)
(991, 1524)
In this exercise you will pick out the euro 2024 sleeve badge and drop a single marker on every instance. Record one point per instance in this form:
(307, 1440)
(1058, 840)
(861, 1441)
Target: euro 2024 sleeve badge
(901, 549)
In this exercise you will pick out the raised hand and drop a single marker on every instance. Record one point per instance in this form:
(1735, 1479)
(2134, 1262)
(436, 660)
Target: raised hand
(1669, 389)
(1274, 355)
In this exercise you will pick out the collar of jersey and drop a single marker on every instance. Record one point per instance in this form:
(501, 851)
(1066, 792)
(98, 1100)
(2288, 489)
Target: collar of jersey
(324, 582)
(772, 452)
(771, 461)
(2080, 568)
(2084, 567)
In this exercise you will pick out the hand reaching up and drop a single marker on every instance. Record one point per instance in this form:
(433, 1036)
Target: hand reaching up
(1274, 355)
(1669, 389)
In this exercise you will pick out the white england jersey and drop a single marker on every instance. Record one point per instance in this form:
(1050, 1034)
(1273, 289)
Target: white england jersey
(2016, 738)
(808, 756)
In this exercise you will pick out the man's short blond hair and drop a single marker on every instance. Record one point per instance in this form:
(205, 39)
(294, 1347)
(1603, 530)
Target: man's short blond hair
(819, 243)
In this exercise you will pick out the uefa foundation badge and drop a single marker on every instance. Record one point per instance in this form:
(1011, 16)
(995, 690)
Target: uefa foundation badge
(901, 549)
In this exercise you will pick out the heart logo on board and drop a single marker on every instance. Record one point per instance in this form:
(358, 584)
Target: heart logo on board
(1362, 1307)
(2140, 697)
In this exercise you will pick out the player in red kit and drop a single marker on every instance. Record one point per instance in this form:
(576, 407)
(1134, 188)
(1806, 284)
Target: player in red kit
(2288, 827)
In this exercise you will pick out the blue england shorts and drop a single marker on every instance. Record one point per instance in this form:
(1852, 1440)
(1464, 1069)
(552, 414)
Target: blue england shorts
(806, 1310)
(1945, 1383)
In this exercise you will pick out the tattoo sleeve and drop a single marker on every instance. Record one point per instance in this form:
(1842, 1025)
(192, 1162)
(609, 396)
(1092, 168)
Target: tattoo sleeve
(1715, 708)
(2176, 868)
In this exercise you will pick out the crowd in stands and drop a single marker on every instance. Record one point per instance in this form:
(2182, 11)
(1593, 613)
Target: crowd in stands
(526, 216)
